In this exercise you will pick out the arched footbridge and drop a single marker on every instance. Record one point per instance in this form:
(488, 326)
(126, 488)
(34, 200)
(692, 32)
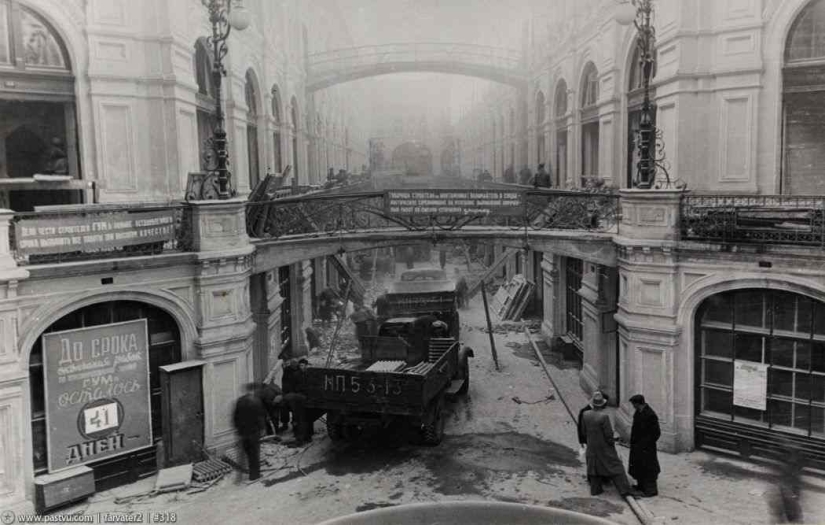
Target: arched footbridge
(295, 228)
(344, 65)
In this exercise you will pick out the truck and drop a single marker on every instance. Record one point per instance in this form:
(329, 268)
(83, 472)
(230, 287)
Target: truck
(404, 374)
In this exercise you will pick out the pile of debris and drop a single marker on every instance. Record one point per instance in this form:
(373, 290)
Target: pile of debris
(505, 327)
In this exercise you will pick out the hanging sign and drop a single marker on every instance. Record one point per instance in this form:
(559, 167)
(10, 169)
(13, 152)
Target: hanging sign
(750, 384)
(459, 203)
(97, 393)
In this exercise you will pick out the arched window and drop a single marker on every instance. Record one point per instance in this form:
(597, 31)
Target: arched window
(560, 113)
(804, 103)
(635, 97)
(203, 69)
(560, 106)
(37, 105)
(760, 368)
(590, 123)
(540, 127)
(295, 127)
(590, 86)
(251, 99)
(276, 135)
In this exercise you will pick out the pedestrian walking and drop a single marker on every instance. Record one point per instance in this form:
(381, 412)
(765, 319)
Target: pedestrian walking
(460, 288)
(250, 420)
(603, 461)
(644, 464)
(784, 499)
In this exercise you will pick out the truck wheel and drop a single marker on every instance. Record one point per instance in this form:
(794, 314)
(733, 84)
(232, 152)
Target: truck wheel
(465, 388)
(433, 433)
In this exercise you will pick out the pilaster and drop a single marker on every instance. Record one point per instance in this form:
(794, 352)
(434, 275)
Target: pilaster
(551, 324)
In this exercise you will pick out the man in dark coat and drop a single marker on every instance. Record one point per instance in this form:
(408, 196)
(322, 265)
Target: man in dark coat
(272, 398)
(250, 418)
(580, 426)
(602, 459)
(461, 288)
(542, 179)
(364, 321)
(509, 175)
(644, 465)
(525, 176)
(295, 389)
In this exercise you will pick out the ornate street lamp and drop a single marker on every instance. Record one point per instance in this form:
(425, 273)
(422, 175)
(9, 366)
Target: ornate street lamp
(639, 12)
(224, 15)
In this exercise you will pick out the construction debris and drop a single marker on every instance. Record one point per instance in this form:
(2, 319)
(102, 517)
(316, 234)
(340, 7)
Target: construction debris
(174, 478)
(511, 299)
(209, 469)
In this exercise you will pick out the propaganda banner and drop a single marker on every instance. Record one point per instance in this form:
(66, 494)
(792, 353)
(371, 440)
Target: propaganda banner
(460, 203)
(750, 384)
(97, 393)
(94, 232)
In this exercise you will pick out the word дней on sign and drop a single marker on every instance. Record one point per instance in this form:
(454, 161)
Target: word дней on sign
(454, 202)
(92, 233)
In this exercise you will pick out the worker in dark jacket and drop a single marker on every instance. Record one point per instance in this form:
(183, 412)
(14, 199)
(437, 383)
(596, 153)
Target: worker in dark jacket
(542, 178)
(525, 176)
(278, 414)
(644, 464)
(461, 288)
(295, 390)
(602, 459)
(250, 419)
(509, 176)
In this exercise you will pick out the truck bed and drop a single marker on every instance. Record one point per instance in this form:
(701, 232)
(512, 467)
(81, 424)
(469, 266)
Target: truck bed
(351, 387)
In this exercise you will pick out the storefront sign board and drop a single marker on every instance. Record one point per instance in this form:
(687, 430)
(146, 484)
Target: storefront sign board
(97, 393)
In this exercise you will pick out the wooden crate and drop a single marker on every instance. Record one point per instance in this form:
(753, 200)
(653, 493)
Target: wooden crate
(61, 488)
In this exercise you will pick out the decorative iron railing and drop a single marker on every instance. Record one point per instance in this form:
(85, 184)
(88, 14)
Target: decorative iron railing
(349, 213)
(99, 232)
(761, 219)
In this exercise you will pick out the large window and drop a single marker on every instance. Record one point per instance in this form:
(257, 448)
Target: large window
(560, 113)
(804, 103)
(573, 283)
(251, 98)
(590, 123)
(785, 333)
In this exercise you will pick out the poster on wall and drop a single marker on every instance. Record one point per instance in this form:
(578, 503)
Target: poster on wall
(97, 393)
(750, 384)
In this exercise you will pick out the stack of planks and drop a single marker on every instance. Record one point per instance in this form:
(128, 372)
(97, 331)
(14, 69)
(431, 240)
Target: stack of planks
(511, 298)
(386, 366)
(420, 369)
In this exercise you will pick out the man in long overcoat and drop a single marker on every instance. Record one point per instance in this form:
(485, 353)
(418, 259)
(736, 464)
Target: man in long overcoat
(644, 465)
(602, 459)
(250, 419)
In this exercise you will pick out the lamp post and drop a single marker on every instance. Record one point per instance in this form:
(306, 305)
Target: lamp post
(639, 13)
(224, 16)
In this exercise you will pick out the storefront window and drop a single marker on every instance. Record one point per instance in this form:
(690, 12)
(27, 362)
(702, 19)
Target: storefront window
(772, 331)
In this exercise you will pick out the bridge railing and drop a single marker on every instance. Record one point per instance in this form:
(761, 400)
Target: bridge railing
(367, 211)
(370, 55)
(760, 219)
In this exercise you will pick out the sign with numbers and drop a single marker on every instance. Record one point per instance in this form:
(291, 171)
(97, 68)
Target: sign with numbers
(97, 393)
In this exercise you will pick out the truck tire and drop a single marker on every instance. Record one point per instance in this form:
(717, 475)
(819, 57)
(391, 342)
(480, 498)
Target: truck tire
(433, 432)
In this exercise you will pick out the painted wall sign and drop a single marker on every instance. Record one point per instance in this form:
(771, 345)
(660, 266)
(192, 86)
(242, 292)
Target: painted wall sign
(94, 232)
(454, 202)
(97, 392)
(750, 384)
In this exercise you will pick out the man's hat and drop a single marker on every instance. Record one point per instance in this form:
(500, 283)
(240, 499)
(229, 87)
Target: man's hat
(598, 400)
(637, 399)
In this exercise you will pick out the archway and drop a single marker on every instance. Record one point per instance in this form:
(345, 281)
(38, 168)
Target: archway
(164, 341)
(38, 132)
(803, 100)
(760, 372)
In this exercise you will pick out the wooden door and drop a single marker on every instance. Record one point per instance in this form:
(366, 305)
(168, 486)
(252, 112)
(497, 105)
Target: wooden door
(182, 392)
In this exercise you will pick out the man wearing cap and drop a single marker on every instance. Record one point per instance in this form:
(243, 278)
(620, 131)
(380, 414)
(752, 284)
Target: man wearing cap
(644, 464)
(602, 459)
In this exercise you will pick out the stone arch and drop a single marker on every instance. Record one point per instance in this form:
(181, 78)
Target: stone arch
(695, 294)
(252, 92)
(589, 73)
(40, 319)
(559, 96)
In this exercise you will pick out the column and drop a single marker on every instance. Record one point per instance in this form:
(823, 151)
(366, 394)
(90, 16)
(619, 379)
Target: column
(648, 301)
(224, 317)
(551, 324)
